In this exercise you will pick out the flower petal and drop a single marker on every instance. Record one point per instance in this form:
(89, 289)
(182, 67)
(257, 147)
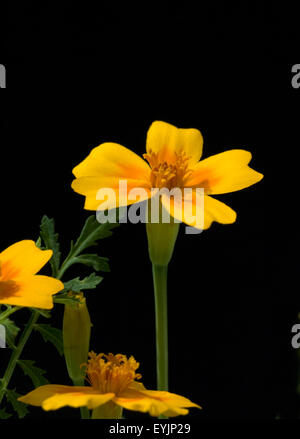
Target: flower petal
(190, 212)
(54, 396)
(23, 257)
(34, 291)
(154, 402)
(215, 210)
(224, 172)
(136, 385)
(104, 167)
(166, 140)
(89, 186)
(109, 159)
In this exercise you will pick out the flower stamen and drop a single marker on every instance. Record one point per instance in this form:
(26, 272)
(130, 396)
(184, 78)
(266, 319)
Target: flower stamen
(164, 174)
(111, 373)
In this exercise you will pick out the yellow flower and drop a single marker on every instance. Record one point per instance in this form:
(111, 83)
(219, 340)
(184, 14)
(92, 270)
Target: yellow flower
(113, 386)
(173, 157)
(19, 284)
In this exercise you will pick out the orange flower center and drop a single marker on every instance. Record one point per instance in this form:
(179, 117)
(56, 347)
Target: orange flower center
(111, 373)
(8, 287)
(168, 175)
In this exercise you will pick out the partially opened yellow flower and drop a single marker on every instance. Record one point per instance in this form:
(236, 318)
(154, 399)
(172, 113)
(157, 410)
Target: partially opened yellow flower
(19, 284)
(173, 156)
(113, 386)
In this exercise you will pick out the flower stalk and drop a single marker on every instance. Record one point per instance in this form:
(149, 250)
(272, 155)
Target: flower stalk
(8, 312)
(161, 324)
(161, 241)
(17, 352)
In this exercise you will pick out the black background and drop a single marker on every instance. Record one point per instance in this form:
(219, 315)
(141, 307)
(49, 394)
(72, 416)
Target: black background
(78, 76)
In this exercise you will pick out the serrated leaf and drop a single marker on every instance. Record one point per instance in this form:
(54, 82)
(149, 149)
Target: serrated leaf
(49, 333)
(98, 263)
(19, 407)
(92, 231)
(11, 331)
(35, 373)
(50, 239)
(4, 414)
(88, 283)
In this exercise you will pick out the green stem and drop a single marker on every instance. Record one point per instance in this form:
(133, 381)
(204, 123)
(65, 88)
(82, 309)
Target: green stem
(65, 265)
(17, 352)
(84, 411)
(109, 410)
(161, 323)
(69, 260)
(8, 312)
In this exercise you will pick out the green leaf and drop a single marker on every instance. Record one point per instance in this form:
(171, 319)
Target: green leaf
(65, 299)
(50, 239)
(2, 388)
(11, 331)
(4, 414)
(7, 307)
(35, 373)
(92, 231)
(88, 283)
(43, 312)
(97, 262)
(38, 243)
(49, 333)
(21, 408)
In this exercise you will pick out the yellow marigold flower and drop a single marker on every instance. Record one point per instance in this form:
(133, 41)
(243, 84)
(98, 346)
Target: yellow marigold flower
(173, 156)
(19, 284)
(113, 386)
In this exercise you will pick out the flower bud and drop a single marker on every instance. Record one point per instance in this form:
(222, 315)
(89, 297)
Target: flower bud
(76, 338)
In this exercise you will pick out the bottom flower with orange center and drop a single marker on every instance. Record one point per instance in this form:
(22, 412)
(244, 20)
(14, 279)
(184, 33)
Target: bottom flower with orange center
(113, 386)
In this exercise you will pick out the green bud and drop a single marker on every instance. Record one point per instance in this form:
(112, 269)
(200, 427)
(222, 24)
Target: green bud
(76, 338)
